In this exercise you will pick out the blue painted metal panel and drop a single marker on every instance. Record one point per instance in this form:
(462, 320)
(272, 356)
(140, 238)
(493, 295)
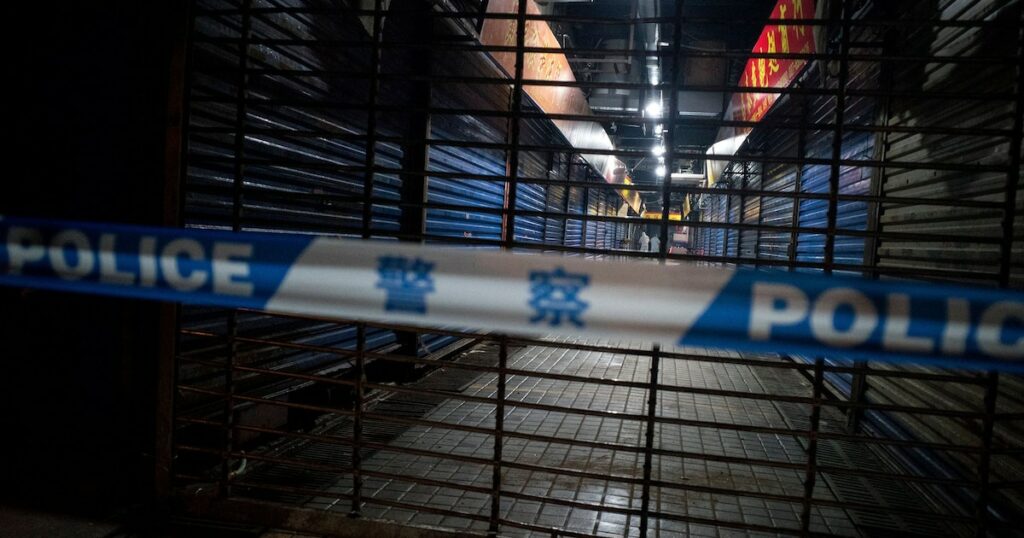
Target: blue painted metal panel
(554, 228)
(530, 197)
(465, 192)
(574, 227)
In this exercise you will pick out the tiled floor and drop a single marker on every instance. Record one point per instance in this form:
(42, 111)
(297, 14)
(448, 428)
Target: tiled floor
(29, 523)
(531, 495)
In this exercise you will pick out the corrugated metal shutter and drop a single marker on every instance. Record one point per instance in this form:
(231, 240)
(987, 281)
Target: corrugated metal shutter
(750, 211)
(464, 192)
(778, 211)
(733, 214)
(593, 199)
(483, 199)
(534, 164)
(600, 226)
(557, 201)
(850, 215)
(530, 229)
(963, 255)
(715, 210)
(813, 213)
(973, 233)
(293, 181)
(574, 227)
(605, 228)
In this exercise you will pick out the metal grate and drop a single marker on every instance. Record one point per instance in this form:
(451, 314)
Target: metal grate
(885, 143)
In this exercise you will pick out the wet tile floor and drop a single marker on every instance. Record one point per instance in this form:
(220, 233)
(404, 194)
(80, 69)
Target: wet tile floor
(527, 459)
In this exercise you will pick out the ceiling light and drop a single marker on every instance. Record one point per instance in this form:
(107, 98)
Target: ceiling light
(658, 150)
(660, 170)
(653, 109)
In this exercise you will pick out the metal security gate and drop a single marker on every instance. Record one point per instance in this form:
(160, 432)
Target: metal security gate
(893, 153)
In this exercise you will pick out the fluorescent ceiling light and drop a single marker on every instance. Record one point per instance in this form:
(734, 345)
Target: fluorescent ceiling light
(660, 170)
(653, 109)
(658, 150)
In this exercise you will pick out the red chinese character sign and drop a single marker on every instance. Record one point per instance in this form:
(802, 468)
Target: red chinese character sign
(774, 72)
(751, 106)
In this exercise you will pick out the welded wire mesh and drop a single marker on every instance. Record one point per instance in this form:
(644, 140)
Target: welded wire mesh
(892, 151)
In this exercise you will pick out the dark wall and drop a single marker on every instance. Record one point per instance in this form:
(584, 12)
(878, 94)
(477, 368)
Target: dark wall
(86, 135)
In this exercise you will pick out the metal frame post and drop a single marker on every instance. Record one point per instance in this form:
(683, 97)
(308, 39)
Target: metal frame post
(837, 140)
(357, 422)
(984, 459)
(499, 430)
(175, 154)
(670, 124)
(508, 231)
(237, 187)
(811, 471)
(801, 149)
(370, 161)
(652, 411)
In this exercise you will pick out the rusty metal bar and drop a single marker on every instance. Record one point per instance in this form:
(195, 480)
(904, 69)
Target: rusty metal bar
(981, 506)
(371, 120)
(328, 44)
(652, 411)
(811, 472)
(798, 185)
(781, 123)
(939, 166)
(231, 346)
(251, 363)
(357, 425)
(1013, 171)
(875, 199)
(837, 135)
(508, 231)
(638, 351)
(499, 432)
(618, 21)
(858, 398)
(175, 153)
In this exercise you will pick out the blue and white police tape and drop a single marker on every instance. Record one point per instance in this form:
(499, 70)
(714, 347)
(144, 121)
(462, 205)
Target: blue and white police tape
(682, 304)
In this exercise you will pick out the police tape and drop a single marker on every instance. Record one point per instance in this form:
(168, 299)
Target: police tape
(688, 305)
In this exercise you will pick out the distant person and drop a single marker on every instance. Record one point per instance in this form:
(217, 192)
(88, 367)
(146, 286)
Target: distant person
(655, 244)
(645, 242)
